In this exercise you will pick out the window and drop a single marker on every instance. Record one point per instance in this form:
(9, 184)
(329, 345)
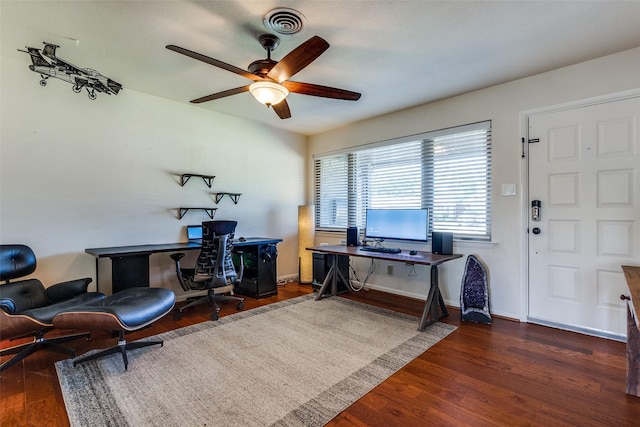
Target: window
(447, 171)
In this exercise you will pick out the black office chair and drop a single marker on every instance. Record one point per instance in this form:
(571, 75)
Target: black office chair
(214, 271)
(27, 308)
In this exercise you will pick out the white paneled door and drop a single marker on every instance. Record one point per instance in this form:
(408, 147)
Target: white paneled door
(584, 169)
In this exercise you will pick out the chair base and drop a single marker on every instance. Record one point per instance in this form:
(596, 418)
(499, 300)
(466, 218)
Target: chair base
(211, 299)
(121, 347)
(40, 343)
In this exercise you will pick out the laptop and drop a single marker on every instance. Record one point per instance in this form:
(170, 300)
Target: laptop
(194, 233)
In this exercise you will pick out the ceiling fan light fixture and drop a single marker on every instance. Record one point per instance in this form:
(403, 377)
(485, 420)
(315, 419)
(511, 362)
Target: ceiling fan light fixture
(268, 93)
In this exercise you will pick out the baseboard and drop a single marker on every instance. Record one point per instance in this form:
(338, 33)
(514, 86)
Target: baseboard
(447, 302)
(288, 278)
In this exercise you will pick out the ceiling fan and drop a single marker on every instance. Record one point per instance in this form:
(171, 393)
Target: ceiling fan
(270, 78)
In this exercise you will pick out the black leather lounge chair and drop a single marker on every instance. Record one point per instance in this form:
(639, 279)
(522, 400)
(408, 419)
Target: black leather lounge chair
(27, 308)
(124, 311)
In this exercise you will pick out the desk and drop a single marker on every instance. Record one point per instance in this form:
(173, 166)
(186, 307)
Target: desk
(130, 264)
(434, 308)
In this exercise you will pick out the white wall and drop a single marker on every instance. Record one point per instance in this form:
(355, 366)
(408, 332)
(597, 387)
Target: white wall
(76, 174)
(503, 105)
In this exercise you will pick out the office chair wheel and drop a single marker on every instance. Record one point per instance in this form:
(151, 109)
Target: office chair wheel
(177, 316)
(214, 316)
(241, 306)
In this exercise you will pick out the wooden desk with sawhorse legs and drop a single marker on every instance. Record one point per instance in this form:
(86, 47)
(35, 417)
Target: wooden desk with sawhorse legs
(434, 308)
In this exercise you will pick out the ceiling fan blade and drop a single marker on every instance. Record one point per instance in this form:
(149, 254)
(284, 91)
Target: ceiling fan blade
(214, 62)
(298, 58)
(282, 109)
(221, 94)
(322, 91)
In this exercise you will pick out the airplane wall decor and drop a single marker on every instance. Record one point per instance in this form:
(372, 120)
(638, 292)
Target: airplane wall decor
(47, 64)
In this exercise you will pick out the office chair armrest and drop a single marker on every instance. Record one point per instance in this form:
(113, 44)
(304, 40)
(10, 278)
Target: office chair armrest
(183, 274)
(67, 290)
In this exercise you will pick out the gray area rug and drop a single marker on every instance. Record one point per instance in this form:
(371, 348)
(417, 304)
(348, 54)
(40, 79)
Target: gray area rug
(298, 362)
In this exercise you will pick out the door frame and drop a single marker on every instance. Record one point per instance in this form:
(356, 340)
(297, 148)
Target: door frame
(524, 183)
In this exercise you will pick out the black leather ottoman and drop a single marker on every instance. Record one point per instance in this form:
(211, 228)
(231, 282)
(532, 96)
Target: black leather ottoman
(124, 311)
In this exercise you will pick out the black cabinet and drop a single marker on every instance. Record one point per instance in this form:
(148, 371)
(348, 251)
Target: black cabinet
(260, 276)
(129, 271)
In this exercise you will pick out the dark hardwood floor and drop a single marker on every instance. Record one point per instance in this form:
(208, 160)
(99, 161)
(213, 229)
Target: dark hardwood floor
(506, 374)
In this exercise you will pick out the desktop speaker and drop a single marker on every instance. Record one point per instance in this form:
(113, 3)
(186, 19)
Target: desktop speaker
(352, 236)
(442, 243)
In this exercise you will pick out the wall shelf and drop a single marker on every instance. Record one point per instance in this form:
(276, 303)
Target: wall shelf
(217, 196)
(233, 196)
(210, 211)
(208, 179)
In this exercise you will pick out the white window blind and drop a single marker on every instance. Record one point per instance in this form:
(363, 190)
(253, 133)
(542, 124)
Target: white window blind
(332, 192)
(447, 171)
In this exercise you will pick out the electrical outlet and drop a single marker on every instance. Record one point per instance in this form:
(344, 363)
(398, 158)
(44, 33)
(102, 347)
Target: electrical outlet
(390, 269)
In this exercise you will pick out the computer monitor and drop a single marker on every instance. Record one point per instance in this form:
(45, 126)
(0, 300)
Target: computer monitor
(397, 224)
(194, 233)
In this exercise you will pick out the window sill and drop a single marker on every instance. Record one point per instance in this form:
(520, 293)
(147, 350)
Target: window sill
(341, 235)
(474, 244)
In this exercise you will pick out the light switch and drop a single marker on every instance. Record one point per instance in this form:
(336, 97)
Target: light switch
(508, 189)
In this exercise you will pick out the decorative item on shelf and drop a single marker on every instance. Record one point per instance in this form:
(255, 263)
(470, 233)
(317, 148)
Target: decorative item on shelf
(233, 196)
(208, 179)
(47, 64)
(306, 237)
(210, 211)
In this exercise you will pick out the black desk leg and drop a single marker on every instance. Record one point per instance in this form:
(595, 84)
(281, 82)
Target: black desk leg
(97, 275)
(434, 307)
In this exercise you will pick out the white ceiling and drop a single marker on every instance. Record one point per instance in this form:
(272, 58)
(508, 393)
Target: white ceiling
(398, 54)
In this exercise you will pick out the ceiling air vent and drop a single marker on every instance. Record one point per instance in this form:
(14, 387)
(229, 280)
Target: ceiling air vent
(284, 21)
